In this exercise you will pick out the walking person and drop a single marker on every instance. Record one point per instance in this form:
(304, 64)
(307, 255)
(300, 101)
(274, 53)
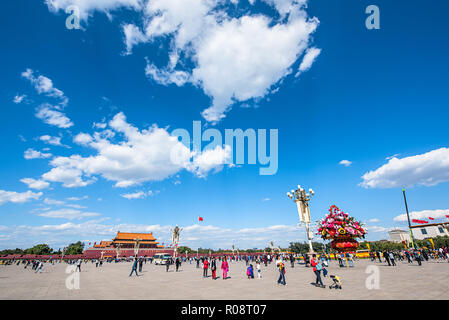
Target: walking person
(225, 268)
(259, 275)
(391, 255)
(140, 264)
(387, 257)
(177, 263)
(205, 267)
(213, 268)
(134, 267)
(78, 265)
(167, 264)
(39, 266)
(281, 266)
(317, 267)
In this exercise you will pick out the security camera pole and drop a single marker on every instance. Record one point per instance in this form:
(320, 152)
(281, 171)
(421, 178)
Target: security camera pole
(302, 198)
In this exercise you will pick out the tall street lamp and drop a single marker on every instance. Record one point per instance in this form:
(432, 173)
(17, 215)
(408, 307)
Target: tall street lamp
(302, 198)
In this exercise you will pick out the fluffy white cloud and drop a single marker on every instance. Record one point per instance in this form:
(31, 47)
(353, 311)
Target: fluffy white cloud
(18, 197)
(77, 198)
(67, 214)
(423, 215)
(49, 115)
(373, 220)
(35, 184)
(137, 195)
(212, 159)
(308, 60)
(18, 99)
(345, 163)
(82, 138)
(44, 85)
(53, 202)
(33, 154)
(87, 7)
(426, 169)
(234, 56)
(55, 141)
(143, 155)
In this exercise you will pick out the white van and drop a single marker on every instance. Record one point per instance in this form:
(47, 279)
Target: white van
(161, 258)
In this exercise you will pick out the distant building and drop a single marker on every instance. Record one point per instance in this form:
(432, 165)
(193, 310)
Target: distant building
(420, 232)
(430, 230)
(398, 235)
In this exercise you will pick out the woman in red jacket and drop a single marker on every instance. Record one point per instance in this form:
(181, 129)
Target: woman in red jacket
(317, 267)
(225, 268)
(205, 267)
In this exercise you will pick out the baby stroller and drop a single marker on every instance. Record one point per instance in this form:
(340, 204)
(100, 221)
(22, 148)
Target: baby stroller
(336, 284)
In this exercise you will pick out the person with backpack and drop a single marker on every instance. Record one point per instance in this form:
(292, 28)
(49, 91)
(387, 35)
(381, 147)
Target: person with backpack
(281, 267)
(317, 268)
(250, 272)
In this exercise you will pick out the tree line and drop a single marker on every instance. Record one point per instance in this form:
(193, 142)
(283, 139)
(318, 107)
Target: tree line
(45, 249)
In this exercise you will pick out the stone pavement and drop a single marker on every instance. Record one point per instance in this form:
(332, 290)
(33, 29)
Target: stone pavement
(112, 281)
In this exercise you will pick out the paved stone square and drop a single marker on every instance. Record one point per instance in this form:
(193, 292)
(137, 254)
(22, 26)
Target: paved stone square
(112, 281)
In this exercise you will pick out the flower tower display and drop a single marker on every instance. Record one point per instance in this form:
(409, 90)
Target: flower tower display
(342, 229)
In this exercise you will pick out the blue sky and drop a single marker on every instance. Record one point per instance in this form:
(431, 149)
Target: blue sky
(77, 165)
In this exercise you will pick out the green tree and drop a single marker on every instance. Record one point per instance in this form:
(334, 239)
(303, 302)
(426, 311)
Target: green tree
(184, 249)
(40, 249)
(75, 248)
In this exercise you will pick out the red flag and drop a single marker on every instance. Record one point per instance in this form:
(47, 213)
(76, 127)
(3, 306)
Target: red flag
(200, 218)
(430, 218)
(447, 216)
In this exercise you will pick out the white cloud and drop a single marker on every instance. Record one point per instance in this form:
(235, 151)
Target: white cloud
(55, 141)
(35, 184)
(232, 58)
(49, 115)
(44, 85)
(19, 98)
(373, 220)
(266, 199)
(143, 155)
(77, 198)
(53, 202)
(426, 169)
(33, 154)
(308, 59)
(424, 214)
(67, 214)
(376, 229)
(82, 138)
(87, 7)
(345, 163)
(137, 195)
(212, 159)
(18, 197)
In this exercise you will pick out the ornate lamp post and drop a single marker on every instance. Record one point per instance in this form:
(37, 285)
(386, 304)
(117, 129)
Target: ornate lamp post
(136, 246)
(175, 238)
(302, 198)
(272, 247)
(118, 249)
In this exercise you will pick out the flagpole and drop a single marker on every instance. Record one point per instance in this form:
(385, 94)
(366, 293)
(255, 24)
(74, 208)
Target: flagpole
(408, 218)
